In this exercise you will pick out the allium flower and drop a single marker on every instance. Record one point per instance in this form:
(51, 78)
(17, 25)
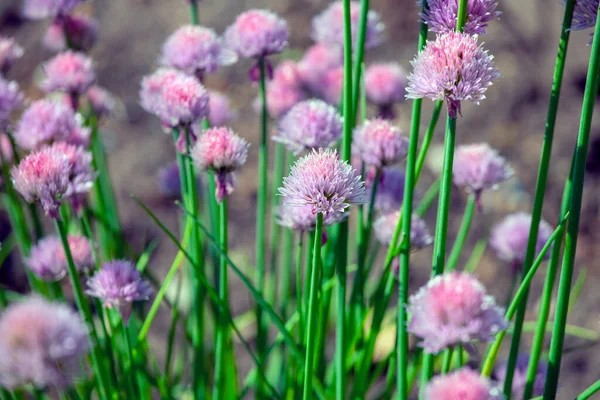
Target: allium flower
(220, 111)
(287, 74)
(48, 260)
(222, 151)
(44, 122)
(441, 15)
(10, 52)
(43, 176)
(509, 237)
(520, 377)
(322, 180)
(310, 124)
(281, 98)
(584, 14)
(385, 226)
(454, 309)
(257, 34)
(452, 68)
(40, 9)
(82, 174)
(379, 143)
(331, 85)
(70, 72)
(479, 167)
(302, 218)
(390, 190)
(318, 60)
(464, 384)
(328, 26)
(41, 343)
(118, 284)
(196, 50)
(385, 85)
(6, 150)
(101, 100)
(11, 98)
(169, 180)
(82, 31)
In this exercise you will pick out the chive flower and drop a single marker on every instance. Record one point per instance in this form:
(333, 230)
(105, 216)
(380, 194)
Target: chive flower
(220, 110)
(316, 61)
(303, 219)
(11, 99)
(10, 52)
(520, 376)
(441, 15)
(80, 29)
(280, 98)
(169, 180)
(42, 9)
(385, 226)
(330, 86)
(390, 190)
(385, 85)
(48, 261)
(101, 101)
(379, 143)
(463, 384)
(70, 72)
(584, 14)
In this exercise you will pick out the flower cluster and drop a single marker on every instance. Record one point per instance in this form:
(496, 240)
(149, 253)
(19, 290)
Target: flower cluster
(70, 72)
(390, 190)
(464, 384)
(78, 31)
(257, 34)
(441, 15)
(48, 261)
(385, 225)
(11, 99)
(380, 144)
(385, 85)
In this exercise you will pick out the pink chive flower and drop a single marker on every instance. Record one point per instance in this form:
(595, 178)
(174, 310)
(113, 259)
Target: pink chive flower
(118, 284)
(310, 124)
(318, 60)
(82, 31)
(196, 50)
(385, 85)
(464, 384)
(220, 110)
(11, 98)
(479, 167)
(452, 68)
(70, 72)
(379, 143)
(48, 260)
(41, 343)
(584, 14)
(331, 85)
(281, 98)
(41, 9)
(152, 86)
(509, 237)
(390, 190)
(520, 377)
(10, 51)
(303, 219)
(328, 26)
(257, 34)
(169, 180)
(441, 15)
(224, 152)
(43, 176)
(45, 122)
(385, 226)
(6, 150)
(82, 174)
(101, 100)
(321, 180)
(287, 74)
(453, 309)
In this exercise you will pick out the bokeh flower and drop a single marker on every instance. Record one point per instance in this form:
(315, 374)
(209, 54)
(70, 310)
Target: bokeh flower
(454, 309)
(330, 86)
(316, 61)
(10, 51)
(6, 150)
(70, 72)
(441, 15)
(390, 190)
(385, 226)
(101, 100)
(452, 68)
(257, 34)
(281, 98)
(11, 98)
(48, 261)
(169, 180)
(80, 29)
(41, 9)
(220, 110)
(520, 376)
(463, 384)
(379, 143)
(385, 85)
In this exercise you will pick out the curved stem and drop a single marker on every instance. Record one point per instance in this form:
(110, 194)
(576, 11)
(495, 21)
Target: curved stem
(463, 231)
(587, 393)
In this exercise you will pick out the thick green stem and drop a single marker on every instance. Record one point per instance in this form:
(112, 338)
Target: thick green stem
(461, 237)
(360, 51)
(222, 336)
(278, 171)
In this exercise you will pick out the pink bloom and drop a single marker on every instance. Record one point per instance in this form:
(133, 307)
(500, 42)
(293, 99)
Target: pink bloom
(70, 72)
(385, 86)
(48, 260)
(302, 218)
(41, 9)
(520, 377)
(152, 87)
(452, 68)
(101, 100)
(385, 226)
(257, 34)
(322, 180)
(310, 124)
(281, 98)
(509, 237)
(11, 98)
(287, 74)
(6, 150)
(379, 143)
(331, 85)
(224, 152)
(390, 190)
(441, 15)
(318, 60)
(82, 31)
(220, 111)
(10, 51)
(464, 384)
(328, 26)
(41, 343)
(453, 309)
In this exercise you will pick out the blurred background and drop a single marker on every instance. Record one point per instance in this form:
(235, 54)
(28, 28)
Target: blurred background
(512, 118)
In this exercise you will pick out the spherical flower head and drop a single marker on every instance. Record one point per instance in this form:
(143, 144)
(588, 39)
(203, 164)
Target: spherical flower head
(10, 51)
(257, 34)
(584, 14)
(70, 72)
(379, 143)
(385, 226)
(41, 343)
(318, 59)
(82, 174)
(118, 284)
(385, 85)
(328, 26)
(454, 309)
(222, 151)
(281, 98)
(520, 376)
(452, 68)
(11, 98)
(479, 167)
(169, 180)
(287, 74)
(303, 219)
(41, 9)
(331, 85)
(464, 384)
(310, 124)
(196, 50)
(321, 180)
(390, 190)
(220, 110)
(43, 176)
(101, 100)
(441, 15)
(509, 238)
(82, 31)
(152, 87)
(48, 261)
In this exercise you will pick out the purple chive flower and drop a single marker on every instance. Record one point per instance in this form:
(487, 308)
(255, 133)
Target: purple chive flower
(257, 34)
(464, 384)
(452, 68)
(196, 50)
(41, 343)
(520, 376)
(11, 98)
(390, 190)
(384, 228)
(385, 85)
(41, 9)
(328, 26)
(321, 180)
(509, 237)
(169, 180)
(318, 60)
(584, 14)
(82, 31)
(220, 110)
(453, 309)
(479, 167)
(43, 176)
(281, 98)
(331, 85)
(48, 261)
(70, 72)
(287, 74)
(302, 218)
(310, 124)
(441, 15)
(379, 143)
(101, 100)
(224, 152)
(10, 51)
(118, 284)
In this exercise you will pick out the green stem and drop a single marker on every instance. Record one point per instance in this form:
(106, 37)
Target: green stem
(587, 393)
(194, 12)
(222, 336)
(172, 333)
(278, 171)
(461, 237)
(129, 364)
(360, 51)
(447, 362)
(299, 297)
